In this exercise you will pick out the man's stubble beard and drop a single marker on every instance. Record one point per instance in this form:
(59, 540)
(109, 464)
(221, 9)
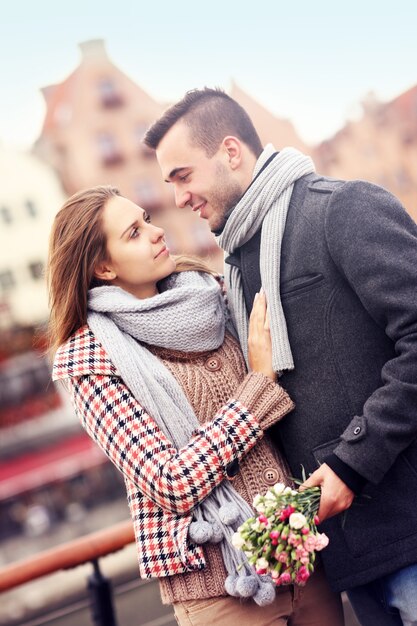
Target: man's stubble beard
(224, 198)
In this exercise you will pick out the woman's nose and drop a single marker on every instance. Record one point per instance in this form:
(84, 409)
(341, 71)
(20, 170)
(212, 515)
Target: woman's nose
(157, 233)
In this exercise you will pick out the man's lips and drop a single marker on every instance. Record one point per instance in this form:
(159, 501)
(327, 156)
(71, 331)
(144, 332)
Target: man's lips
(200, 207)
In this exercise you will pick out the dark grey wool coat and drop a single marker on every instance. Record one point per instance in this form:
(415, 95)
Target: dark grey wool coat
(349, 293)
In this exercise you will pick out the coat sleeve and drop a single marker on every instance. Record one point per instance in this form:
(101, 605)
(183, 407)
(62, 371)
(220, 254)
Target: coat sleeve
(176, 480)
(373, 242)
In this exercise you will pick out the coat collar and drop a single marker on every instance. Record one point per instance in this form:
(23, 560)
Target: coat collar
(82, 355)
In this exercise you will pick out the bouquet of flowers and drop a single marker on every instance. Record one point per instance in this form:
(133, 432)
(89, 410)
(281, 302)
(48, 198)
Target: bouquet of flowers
(282, 539)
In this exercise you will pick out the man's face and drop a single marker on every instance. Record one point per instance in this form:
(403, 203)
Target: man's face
(207, 185)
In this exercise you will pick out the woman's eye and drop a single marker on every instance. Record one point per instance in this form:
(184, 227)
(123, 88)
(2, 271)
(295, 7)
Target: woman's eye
(147, 219)
(184, 178)
(134, 233)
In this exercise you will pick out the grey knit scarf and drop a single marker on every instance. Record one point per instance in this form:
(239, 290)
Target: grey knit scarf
(264, 205)
(188, 314)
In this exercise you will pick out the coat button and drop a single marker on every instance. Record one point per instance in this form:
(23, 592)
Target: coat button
(270, 475)
(357, 430)
(232, 469)
(213, 364)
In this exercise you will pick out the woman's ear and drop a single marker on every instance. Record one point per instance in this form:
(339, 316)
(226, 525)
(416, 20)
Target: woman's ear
(104, 271)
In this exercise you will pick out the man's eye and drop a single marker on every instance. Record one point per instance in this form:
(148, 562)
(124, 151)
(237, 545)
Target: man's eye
(184, 178)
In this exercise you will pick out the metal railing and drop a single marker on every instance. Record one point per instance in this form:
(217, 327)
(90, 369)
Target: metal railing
(88, 549)
(72, 554)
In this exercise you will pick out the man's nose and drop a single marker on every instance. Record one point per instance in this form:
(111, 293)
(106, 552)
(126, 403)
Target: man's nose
(182, 198)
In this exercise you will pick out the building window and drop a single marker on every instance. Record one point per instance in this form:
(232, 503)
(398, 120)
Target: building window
(6, 215)
(7, 280)
(143, 150)
(36, 270)
(108, 150)
(31, 208)
(409, 137)
(110, 97)
(147, 195)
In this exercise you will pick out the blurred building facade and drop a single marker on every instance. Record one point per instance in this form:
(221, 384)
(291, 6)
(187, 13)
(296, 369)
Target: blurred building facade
(94, 124)
(96, 118)
(271, 129)
(381, 146)
(92, 134)
(30, 195)
(41, 443)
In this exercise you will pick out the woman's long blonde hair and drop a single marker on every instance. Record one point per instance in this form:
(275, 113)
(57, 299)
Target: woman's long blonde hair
(77, 244)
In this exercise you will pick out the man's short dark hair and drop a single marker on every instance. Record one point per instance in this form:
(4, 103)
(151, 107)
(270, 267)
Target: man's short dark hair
(211, 115)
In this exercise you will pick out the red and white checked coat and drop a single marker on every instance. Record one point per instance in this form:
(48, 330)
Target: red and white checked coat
(163, 484)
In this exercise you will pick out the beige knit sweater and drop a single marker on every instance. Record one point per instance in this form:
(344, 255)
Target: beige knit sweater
(209, 380)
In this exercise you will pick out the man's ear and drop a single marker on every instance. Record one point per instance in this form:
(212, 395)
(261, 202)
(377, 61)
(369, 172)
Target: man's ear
(233, 150)
(104, 271)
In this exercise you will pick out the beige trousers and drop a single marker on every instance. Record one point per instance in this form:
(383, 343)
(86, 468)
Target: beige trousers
(312, 605)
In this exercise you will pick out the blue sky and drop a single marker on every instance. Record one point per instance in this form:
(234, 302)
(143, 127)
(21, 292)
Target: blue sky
(312, 62)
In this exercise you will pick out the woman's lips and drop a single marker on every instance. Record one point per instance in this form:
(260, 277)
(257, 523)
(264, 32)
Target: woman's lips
(163, 251)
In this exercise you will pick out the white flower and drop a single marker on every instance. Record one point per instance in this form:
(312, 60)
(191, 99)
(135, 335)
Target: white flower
(297, 520)
(237, 541)
(262, 563)
(278, 488)
(260, 507)
(257, 526)
(270, 497)
(289, 490)
(256, 500)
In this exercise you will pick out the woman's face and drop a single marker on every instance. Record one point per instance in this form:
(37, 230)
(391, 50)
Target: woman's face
(137, 254)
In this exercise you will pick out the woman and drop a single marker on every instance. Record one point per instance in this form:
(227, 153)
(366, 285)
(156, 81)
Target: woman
(160, 384)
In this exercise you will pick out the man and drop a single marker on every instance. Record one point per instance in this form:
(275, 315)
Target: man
(338, 263)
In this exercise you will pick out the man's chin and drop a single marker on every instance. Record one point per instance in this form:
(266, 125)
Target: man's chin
(217, 229)
(218, 225)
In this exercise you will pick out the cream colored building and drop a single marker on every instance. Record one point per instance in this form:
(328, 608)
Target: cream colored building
(30, 195)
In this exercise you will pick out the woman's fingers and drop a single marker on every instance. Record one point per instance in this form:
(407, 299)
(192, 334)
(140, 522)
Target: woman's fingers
(266, 324)
(259, 340)
(259, 317)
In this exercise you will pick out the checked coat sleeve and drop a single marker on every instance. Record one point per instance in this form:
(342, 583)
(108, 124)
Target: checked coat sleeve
(175, 480)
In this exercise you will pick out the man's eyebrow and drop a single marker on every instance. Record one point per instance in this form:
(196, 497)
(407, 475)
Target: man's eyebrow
(173, 173)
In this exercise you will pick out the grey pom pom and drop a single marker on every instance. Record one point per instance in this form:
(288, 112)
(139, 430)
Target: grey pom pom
(265, 594)
(247, 586)
(217, 533)
(230, 585)
(200, 532)
(229, 514)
